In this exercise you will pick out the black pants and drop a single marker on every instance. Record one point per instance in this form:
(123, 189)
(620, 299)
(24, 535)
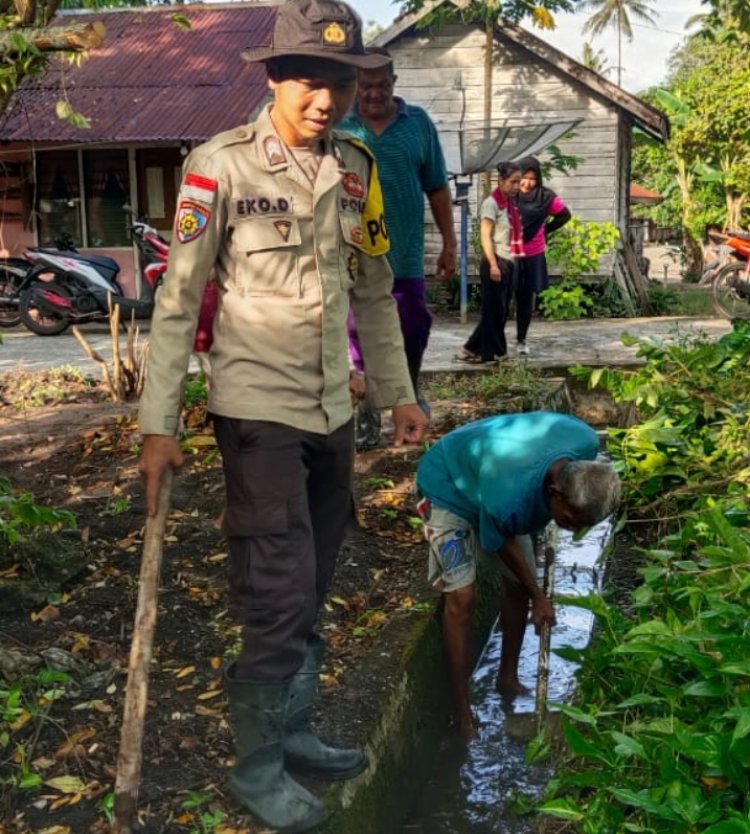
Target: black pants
(524, 311)
(288, 504)
(531, 280)
(488, 338)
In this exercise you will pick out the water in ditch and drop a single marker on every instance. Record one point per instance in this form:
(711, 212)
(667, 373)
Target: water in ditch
(473, 787)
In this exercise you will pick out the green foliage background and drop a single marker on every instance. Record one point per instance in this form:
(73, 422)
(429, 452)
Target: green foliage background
(660, 740)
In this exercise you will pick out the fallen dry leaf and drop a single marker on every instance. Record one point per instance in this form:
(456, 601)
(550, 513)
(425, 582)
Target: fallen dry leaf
(205, 696)
(46, 615)
(73, 744)
(22, 720)
(185, 671)
(66, 784)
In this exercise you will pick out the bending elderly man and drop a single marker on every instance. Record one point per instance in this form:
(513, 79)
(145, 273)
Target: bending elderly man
(486, 486)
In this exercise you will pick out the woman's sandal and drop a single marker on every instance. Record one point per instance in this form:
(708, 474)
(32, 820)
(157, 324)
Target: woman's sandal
(469, 358)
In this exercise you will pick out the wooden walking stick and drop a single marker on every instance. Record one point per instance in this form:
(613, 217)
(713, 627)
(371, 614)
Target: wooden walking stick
(136, 693)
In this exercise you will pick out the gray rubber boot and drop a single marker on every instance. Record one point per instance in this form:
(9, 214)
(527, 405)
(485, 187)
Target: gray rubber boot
(304, 752)
(259, 780)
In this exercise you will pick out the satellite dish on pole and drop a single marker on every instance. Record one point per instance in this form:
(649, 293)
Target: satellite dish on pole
(473, 148)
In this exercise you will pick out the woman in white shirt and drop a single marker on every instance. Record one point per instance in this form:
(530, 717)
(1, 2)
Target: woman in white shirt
(501, 235)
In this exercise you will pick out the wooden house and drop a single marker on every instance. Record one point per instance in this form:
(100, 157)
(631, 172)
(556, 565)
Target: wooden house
(532, 84)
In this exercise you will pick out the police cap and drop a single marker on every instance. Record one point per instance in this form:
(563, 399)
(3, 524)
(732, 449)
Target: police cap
(320, 29)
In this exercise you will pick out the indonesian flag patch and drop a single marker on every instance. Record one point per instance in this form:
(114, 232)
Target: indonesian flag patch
(192, 219)
(196, 187)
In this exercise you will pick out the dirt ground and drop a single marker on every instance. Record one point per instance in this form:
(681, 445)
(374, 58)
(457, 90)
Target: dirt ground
(67, 605)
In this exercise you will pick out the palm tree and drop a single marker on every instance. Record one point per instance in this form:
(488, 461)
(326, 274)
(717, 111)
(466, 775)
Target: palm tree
(595, 59)
(617, 13)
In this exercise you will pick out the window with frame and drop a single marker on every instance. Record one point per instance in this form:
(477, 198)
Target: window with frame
(61, 207)
(107, 184)
(59, 199)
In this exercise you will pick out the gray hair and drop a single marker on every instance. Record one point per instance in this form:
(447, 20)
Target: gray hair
(591, 489)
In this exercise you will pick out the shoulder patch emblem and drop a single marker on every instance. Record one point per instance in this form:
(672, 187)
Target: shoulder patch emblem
(196, 187)
(356, 234)
(274, 151)
(333, 33)
(191, 220)
(283, 227)
(353, 185)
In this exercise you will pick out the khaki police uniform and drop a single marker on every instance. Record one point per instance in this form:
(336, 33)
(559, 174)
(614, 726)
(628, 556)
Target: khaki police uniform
(288, 257)
(287, 260)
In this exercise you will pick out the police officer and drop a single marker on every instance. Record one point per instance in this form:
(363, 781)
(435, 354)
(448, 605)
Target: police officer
(289, 216)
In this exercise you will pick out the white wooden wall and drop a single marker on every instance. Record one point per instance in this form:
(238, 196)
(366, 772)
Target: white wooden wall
(442, 70)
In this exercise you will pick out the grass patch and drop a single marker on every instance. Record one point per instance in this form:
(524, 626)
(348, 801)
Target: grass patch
(696, 301)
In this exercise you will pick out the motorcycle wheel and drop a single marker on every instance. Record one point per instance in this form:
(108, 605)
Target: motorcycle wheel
(732, 291)
(9, 312)
(37, 321)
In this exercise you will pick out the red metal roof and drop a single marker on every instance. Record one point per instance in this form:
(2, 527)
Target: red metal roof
(151, 80)
(640, 194)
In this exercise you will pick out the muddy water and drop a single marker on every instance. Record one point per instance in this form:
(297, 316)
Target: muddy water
(473, 788)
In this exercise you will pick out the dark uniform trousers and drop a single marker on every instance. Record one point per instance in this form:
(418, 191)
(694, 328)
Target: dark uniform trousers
(288, 505)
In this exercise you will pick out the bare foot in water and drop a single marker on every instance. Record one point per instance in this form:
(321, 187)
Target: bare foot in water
(511, 688)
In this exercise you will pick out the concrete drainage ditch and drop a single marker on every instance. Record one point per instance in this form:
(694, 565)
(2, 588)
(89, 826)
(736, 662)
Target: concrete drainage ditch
(423, 781)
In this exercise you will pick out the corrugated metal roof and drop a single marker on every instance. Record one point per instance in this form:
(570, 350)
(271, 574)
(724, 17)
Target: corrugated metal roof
(641, 194)
(151, 80)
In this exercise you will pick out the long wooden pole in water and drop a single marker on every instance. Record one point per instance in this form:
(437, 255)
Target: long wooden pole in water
(545, 640)
(130, 756)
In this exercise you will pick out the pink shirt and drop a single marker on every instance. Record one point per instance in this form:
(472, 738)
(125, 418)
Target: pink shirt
(538, 243)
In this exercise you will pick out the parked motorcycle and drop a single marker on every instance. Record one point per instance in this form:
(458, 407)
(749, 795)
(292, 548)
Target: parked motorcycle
(13, 281)
(730, 275)
(64, 286)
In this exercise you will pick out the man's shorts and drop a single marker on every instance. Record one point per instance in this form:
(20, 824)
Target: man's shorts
(455, 549)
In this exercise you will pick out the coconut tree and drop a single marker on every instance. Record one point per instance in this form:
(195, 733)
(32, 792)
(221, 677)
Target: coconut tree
(724, 17)
(617, 13)
(595, 59)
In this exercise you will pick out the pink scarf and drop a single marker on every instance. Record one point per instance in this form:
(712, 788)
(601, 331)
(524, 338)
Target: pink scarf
(514, 217)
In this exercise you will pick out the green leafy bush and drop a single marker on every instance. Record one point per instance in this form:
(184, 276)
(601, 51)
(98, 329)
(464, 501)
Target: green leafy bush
(20, 514)
(576, 250)
(564, 301)
(660, 739)
(579, 246)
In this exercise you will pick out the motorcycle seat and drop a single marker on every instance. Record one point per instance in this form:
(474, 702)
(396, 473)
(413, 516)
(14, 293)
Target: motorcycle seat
(99, 260)
(94, 260)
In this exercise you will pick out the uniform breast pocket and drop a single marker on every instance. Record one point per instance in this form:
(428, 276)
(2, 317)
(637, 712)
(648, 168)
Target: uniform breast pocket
(266, 255)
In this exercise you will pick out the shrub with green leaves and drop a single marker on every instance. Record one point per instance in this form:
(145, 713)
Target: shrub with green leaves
(575, 251)
(20, 514)
(660, 739)
(565, 301)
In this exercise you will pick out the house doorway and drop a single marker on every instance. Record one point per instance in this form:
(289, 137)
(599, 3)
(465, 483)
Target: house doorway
(159, 171)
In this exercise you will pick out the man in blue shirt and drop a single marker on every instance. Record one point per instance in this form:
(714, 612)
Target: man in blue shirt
(410, 164)
(486, 487)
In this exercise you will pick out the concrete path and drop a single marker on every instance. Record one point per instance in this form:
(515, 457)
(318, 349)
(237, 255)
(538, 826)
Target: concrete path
(551, 344)
(565, 343)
